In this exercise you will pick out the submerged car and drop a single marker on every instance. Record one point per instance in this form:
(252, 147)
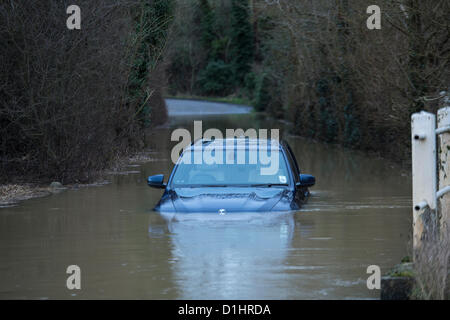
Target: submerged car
(233, 175)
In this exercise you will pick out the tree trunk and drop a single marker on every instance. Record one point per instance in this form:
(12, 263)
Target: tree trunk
(416, 56)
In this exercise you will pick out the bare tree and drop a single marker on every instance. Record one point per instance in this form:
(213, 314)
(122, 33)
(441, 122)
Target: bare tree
(63, 93)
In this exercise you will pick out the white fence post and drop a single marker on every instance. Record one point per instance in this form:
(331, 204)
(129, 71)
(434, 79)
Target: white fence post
(423, 128)
(444, 165)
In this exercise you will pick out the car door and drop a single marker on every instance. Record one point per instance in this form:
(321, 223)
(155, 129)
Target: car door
(299, 193)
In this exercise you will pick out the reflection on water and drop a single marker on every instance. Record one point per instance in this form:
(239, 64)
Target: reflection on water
(220, 258)
(358, 215)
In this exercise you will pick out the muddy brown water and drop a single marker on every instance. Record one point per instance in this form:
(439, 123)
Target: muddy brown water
(358, 215)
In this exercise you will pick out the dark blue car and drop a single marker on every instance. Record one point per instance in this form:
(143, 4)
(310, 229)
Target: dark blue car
(234, 175)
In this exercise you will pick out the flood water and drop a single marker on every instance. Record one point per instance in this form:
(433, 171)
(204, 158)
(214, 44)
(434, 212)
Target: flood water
(359, 215)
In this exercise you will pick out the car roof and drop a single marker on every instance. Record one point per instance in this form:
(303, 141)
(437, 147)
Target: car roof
(236, 143)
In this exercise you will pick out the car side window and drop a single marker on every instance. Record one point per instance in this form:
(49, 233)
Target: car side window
(292, 159)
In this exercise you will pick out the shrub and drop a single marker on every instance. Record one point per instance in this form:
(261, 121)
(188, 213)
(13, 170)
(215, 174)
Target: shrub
(241, 39)
(262, 95)
(70, 99)
(216, 79)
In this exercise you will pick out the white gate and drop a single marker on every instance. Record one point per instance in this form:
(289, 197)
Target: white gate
(425, 171)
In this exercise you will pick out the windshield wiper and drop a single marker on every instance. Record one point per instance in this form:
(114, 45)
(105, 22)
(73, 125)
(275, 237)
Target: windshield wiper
(208, 185)
(234, 185)
(269, 184)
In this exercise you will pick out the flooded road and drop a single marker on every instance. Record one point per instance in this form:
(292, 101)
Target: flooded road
(358, 215)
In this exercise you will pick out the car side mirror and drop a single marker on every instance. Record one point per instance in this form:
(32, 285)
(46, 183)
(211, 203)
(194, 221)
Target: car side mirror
(307, 180)
(156, 181)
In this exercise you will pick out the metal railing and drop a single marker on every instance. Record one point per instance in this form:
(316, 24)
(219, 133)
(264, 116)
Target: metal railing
(427, 141)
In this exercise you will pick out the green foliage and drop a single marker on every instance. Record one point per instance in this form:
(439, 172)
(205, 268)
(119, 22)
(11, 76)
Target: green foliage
(267, 96)
(406, 259)
(405, 269)
(262, 95)
(328, 119)
(206, 17)
(216, 79)
(151, 28)
(242, 39)
(329, 124)
(219, 49)
(351, 128)
(250, 82)
(322, 87)
(371, 89)
(407, 273)
(228, 99)
(179, 66)
(312, 122)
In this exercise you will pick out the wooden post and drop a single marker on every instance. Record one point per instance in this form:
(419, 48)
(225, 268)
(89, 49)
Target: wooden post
(444, 166)
(423, 128)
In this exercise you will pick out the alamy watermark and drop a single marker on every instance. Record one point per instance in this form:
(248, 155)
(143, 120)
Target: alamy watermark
(74, 280)
(265, 149)
(373, 22)
(74, 20)
(374, 281)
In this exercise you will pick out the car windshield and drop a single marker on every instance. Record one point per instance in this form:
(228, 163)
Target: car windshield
(240, 168)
